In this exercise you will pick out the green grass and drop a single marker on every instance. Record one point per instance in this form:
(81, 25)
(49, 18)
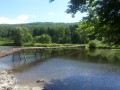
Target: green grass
(98, 45)
(53, 45)
(6, 43)
(10, 43)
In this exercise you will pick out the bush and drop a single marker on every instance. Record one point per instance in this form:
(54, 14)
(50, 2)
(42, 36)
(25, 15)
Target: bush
(21, 36)
(94, 43)
(44, 38)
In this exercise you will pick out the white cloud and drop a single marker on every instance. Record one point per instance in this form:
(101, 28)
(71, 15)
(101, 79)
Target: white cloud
(23, 17)
(17, 20)
(51, 14)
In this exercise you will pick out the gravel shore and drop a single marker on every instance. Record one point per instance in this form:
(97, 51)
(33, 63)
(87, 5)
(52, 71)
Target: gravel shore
(8, 82)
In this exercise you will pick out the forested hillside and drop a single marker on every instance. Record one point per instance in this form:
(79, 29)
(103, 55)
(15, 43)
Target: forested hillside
(60, 33)
(31, 32)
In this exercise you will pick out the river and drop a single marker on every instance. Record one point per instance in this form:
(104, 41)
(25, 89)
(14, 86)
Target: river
(67, 69)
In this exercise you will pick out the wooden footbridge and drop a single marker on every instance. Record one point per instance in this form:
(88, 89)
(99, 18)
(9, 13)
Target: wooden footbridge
(23, 49)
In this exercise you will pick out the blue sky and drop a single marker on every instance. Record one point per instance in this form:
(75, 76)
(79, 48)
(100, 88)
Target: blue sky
(26, 11)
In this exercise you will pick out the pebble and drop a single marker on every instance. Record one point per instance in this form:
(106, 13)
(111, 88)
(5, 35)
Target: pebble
(8, 82)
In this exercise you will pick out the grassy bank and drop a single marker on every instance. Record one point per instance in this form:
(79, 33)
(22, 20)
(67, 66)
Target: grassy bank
(92, 44)
(6, 43)
(10, 43)
(52, 45)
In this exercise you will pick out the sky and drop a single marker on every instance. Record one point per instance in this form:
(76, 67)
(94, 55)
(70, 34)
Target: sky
(27, 11)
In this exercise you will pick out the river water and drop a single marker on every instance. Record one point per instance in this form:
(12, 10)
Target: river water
(67, 69)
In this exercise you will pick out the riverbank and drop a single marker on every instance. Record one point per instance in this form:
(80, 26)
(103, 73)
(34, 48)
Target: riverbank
(8, 82)
(94, 45)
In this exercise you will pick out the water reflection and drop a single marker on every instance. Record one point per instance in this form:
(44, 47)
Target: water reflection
(104, 56)
(31, 58)
(6, 48)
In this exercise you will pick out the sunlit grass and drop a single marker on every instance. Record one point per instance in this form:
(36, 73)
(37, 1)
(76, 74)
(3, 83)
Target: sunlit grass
(6, 43)
(54, 45)
(51, 45)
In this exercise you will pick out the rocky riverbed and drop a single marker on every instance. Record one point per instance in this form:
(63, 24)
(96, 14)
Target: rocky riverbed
(8, 82)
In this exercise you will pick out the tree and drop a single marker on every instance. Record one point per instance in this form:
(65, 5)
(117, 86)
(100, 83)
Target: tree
(17, 36)
(28, 37)
(67, 36)
(107, 11)
(75, 37)
(44, 38)
(20, 36)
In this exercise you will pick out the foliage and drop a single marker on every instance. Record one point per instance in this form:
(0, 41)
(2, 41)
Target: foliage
(59, 32)
(4, 41)
(75, 37)
(29, 44)
(20, 36)
(97, 8)
(44, 38)
(86, 31)
(28, 38)
(94, 44)
(108, 13)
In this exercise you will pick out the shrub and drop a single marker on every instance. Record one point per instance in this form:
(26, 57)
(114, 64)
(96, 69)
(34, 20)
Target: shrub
(44, 38)
(94, 43)
(21, 36)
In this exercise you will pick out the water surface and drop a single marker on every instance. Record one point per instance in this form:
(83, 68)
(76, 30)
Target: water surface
(67, 69)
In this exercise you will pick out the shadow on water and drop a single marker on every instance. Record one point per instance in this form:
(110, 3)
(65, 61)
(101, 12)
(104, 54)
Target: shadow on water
(107, 82)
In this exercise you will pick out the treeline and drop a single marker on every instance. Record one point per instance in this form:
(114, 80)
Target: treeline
(87, 31)
(33, 32)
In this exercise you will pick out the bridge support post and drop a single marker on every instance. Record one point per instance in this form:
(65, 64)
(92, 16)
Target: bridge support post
(36, 54)
(24, 57)
(19, 57)
(40, 54)
(13, 57)
(45, 55)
